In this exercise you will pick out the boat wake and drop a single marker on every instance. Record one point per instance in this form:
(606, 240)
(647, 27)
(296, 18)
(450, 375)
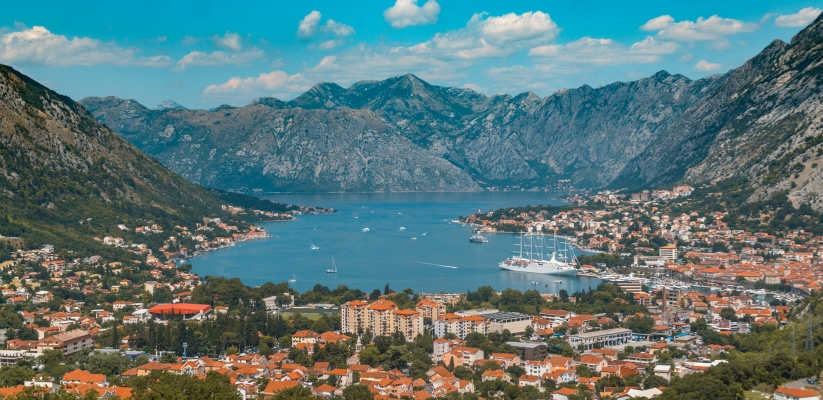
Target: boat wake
(424, 263)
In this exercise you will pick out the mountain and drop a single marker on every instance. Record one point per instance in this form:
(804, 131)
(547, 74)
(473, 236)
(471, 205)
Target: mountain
(64, 177)
(168, 105)
(757, 122)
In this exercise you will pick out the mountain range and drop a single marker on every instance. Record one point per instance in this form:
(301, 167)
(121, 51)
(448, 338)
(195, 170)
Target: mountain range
(65, 177)
(759, 122)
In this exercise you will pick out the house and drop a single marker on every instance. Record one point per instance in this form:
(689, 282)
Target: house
(70, 342)
(274, 387)
(563, 393)
(795, 394)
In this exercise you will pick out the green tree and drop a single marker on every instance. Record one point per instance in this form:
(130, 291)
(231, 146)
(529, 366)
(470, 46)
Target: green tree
(357, 392)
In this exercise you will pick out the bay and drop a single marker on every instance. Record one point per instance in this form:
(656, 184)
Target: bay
(439, 259)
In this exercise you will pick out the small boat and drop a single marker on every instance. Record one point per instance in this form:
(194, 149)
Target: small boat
(414, 237)
(402, 228)
(424, 234)
(313, 247)
(333, 269)
(478, 239)
(534, 283)
(293, 278)
(558, 281)
(364, 230)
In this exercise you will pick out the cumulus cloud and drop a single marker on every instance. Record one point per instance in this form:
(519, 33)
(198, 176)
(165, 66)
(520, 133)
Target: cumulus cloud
(600, 51)
(705, 66)
(216, 58)
(275, 83)
(337, 29)
(407, 13)
(309, 24)
(704, 29)
(331, 32)
(228, 40)
(799, 19)
(38, 45)
(492, 36)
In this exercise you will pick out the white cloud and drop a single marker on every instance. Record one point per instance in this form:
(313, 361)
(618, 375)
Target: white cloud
(407, 13)
(491, 36)
(704, 29)
(800, 19)
(198, 58)
(229, 40)
(39, 46)
(275, 83)
(705, 66)
(600, 51)
(721, 45)
(658, 24)
(309, 24)
(331, 33)
(337, 29)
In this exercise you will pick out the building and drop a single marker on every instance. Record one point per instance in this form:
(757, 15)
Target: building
(461, 326)
(431, 309)
(556, 317)
(607, 337)
(515, 323)
(795, 394)
(530, 350)
(381, 317)
(69, 343)
(11, 357)
(669, 252)
(187, 311)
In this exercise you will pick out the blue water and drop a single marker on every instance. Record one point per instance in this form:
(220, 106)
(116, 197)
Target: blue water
(442, 260)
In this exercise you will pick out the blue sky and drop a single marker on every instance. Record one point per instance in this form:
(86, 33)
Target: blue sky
(203, 53)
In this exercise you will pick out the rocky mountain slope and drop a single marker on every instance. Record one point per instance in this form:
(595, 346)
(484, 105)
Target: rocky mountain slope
(64, 177)
(405, 134)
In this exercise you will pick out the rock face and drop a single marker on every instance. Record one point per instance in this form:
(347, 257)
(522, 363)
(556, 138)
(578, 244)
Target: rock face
(65, 177)
(404, 134)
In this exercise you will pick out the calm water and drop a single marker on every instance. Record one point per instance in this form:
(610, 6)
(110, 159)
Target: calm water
(440, 259)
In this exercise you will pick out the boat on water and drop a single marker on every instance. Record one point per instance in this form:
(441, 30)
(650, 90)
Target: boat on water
(558, 281)
(364, 230)
(533, 258)
(534, 282)
(333, 269)
(402, 228)
(478, 239)
(293, 278)
(314, 247)
(424, 234)
(414, 237)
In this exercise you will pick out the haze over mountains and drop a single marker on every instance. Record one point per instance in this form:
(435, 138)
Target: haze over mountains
(760, 122)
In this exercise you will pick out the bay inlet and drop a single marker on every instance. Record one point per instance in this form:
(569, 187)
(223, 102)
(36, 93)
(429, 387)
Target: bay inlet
(406, 240)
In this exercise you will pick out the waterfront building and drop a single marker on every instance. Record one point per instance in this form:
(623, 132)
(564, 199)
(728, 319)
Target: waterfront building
(607, 337)
(669, 252)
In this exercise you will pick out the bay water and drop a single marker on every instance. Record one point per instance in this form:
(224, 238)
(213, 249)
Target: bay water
(410, 242)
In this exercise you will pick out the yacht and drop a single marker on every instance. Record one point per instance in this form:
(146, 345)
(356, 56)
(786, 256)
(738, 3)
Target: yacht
(333, 269)
(313, 247)
(364, 230)
(558, 281)
(478, 239)
(293, 278)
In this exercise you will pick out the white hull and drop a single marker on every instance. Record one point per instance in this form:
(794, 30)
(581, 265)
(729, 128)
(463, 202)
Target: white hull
(538, 267)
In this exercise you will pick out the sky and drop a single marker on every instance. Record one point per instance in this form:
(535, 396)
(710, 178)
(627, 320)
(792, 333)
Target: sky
(204, 53)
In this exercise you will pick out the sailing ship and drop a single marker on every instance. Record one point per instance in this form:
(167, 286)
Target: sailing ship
(533, 260)
(333, 269)
(293, 278)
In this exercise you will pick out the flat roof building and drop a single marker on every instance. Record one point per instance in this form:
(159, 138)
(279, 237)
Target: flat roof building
(607, 337)
(530, 350)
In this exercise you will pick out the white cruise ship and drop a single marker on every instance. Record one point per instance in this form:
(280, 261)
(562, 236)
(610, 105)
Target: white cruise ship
(532, 260)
